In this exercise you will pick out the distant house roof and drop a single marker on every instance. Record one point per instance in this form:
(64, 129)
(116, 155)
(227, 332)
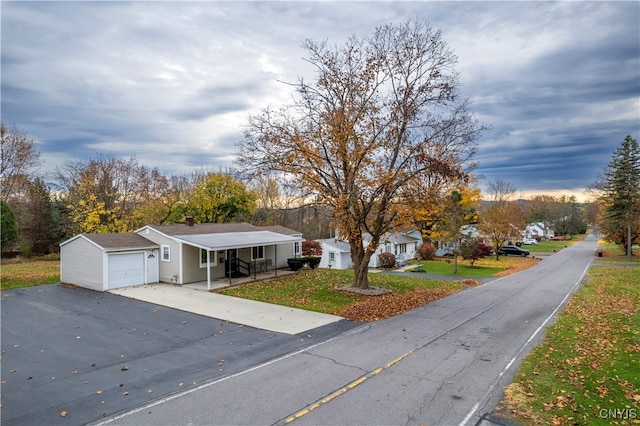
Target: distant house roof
(279, 229)
(125, 240)
(342, 246)
(396, 238)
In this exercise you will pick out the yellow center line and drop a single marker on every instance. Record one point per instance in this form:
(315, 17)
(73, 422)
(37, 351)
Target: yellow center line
(342, 390)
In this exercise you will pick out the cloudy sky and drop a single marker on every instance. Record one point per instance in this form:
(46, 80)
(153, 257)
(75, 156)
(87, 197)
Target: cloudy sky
(173, 82)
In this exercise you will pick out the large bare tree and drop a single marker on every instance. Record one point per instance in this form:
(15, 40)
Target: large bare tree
(362, 129)
(19, 160)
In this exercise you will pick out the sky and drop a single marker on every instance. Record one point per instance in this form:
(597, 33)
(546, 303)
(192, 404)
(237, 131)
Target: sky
(173, 83)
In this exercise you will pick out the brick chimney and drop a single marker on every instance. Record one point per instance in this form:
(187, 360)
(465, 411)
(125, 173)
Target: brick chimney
(188, 220)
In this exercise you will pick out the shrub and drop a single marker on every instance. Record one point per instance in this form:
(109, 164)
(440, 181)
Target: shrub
(473, 249)
(387, 260)
(296, 263)
(312, 261)
(311, 248)
(426, 251)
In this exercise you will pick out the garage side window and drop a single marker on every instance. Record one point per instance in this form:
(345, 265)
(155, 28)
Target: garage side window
(166, 253)
(296, 249)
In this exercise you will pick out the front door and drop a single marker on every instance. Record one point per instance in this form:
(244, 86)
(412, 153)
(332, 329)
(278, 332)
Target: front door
(152, 266)
(232, 262)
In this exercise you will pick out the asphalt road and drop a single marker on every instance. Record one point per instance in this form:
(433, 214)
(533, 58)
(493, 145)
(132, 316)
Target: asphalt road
(72, 356)
(445, 363)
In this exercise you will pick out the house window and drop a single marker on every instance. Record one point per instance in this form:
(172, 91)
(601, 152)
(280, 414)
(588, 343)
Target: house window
(296, 249)
(203, 258)
(401, 249)
(257, 253)
(166, 253)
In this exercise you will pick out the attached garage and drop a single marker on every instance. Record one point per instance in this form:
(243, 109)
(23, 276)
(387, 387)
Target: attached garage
(106, 261)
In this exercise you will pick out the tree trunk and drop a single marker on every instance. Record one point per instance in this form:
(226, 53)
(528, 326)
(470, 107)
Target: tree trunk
(360, 258)
(629, 243)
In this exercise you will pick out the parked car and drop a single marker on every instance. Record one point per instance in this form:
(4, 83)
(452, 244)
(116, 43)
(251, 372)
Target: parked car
(514, 250)
(560, 238)
(529, 241)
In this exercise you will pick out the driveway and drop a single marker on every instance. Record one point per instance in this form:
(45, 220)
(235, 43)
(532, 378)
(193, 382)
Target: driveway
(72, 356)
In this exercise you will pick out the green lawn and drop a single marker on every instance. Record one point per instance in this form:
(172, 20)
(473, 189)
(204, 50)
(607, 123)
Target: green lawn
(28, 273)
(547, 246)
(440, 267)
(482, 268)
(314, 289)
(587, 370)
(614, 253)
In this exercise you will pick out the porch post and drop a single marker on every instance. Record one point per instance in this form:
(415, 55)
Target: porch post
(208, 269)
(275, 261)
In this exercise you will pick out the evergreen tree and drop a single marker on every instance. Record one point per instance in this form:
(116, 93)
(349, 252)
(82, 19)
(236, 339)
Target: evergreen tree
(8, 225)
(37, 224)
(621, 195)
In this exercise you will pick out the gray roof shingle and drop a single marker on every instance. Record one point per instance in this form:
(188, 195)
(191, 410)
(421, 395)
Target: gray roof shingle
(121, 240)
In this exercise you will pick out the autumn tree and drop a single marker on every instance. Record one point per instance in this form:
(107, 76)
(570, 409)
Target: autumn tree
(541, 208)
(167, 199)
(458, 215)
(219, 198)
(103, 193)
(19, 160)
(427, 196)
(269, 200)
(360, 131)
(472, 249)
(620, 187)
(501, 219)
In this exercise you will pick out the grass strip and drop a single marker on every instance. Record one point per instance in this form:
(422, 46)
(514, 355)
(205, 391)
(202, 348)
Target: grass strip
(29, 273)
(587, 370)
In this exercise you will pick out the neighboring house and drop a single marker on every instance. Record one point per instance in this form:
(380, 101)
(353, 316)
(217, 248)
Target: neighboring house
(447, 248)
(402, 245)
(539, 230)
(186, 253)
(336, 254)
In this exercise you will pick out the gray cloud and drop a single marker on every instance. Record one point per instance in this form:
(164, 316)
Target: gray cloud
(173, 82)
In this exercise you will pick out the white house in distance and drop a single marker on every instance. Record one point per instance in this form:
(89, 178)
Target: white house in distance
(538, 230)
(337, 253)
(179, 254)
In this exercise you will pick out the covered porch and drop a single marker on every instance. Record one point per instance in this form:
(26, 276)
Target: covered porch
(235, 258)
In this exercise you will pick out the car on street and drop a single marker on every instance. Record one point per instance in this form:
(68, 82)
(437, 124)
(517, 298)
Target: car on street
(513, 250)
(529, 241)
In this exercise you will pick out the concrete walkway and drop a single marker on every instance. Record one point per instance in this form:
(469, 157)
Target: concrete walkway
(260, 315)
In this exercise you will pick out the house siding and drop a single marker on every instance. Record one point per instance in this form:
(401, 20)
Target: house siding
(87, 273)
(282, 252)
(169, 272)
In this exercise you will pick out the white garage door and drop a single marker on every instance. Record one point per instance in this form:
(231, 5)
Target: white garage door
(126, 269)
